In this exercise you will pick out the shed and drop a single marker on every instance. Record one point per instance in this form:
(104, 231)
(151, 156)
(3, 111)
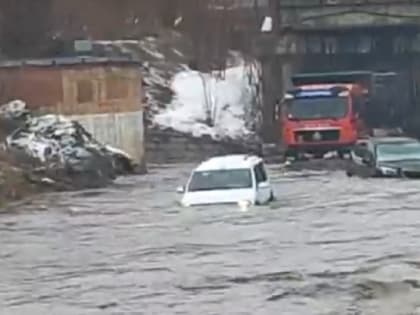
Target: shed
(104, 94)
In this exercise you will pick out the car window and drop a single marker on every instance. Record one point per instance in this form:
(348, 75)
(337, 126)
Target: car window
(371, 148)
(220, 180)
(260, 174)
(360, 150)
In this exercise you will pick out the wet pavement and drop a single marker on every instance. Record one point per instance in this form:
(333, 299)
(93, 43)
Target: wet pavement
(329, 245)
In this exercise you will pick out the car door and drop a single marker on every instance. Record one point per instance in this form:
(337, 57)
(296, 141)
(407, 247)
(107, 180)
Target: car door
(359, 156)
(370, 160)
(263, 186)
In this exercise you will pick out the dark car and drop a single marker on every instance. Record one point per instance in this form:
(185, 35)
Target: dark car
(385, 157)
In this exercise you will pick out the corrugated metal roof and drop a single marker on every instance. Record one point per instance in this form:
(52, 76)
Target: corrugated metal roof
(68, 61)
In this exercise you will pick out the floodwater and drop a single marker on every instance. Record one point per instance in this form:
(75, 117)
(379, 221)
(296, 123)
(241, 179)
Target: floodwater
(329, 245)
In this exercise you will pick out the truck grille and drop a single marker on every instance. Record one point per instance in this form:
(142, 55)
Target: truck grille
(311, 135)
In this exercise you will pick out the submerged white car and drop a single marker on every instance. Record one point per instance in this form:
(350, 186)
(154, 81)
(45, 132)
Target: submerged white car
(228, 179)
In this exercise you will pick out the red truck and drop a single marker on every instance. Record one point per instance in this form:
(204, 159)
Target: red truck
(330, 111)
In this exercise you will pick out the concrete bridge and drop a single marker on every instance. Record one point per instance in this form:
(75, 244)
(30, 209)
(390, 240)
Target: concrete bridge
(332, 35)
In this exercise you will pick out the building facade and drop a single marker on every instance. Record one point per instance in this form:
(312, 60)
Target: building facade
(337, 35)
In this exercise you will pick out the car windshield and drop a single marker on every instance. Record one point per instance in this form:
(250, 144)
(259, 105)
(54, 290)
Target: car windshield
(398, 151)
(318, 108)
(221, 180)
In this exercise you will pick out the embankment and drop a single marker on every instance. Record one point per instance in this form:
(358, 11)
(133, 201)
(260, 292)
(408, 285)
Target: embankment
(170, 146)
(14, 180)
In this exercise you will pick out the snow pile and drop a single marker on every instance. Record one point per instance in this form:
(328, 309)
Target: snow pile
(58, 143)
(220, 107)
(14, 110)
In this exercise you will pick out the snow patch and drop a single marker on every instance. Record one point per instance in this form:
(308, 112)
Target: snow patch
(118, 42)
(220, 106)
(177, 52)
(117, 151)
(13, 110)
(267, 25)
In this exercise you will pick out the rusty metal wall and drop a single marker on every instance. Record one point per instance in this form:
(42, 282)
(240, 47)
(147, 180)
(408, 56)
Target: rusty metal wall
(55, 89)
(103, 99)
(39, 87)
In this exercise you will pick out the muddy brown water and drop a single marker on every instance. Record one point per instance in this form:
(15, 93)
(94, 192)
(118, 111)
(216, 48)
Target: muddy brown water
(329, 245)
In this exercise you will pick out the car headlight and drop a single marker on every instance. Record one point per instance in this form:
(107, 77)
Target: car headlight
(244, 204)
(385, 170)
(185, 204)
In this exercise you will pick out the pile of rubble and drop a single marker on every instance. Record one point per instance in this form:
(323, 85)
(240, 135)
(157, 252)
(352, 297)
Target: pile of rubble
(55, 151)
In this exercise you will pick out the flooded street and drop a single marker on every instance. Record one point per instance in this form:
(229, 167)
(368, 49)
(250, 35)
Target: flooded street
(329, 245)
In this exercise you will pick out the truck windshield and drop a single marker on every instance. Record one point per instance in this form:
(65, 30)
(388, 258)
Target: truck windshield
(318, 108)
(221, 180)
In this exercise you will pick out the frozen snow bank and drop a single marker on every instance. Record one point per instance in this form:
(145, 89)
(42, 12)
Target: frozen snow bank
(224, 106)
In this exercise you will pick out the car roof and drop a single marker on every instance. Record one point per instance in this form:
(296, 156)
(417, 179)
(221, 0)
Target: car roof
(236, 161)
(385, 140)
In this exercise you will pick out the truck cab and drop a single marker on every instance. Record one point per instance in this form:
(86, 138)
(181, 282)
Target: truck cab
(319, 115)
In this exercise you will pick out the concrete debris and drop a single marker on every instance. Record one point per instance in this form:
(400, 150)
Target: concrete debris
(60, 150)
(14, 110)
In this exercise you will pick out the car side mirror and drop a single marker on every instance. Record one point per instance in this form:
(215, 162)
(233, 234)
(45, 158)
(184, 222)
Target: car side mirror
(263, 185)
(367, 160)
(180, 189)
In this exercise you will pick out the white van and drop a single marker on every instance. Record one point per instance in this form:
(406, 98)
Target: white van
(228, 179)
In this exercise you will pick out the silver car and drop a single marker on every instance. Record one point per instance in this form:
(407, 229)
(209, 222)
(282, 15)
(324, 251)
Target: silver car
(385, 157)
